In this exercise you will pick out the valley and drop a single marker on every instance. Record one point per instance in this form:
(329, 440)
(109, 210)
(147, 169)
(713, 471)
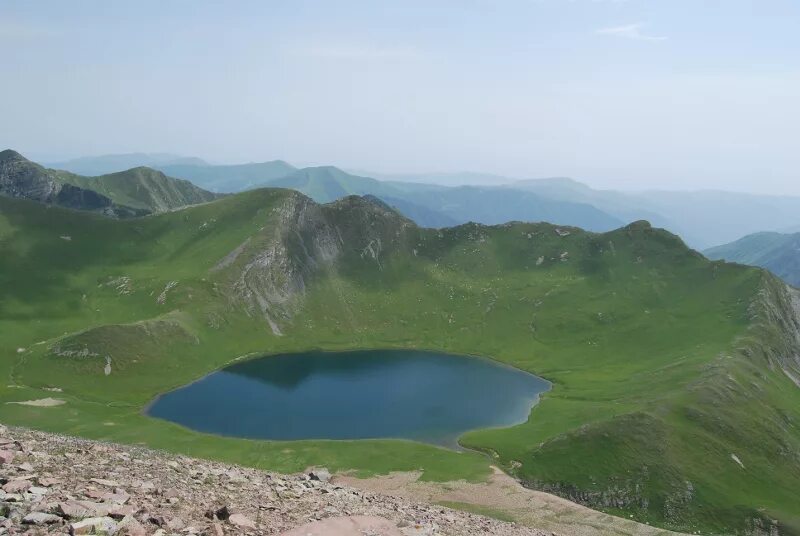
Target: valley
(674, 399)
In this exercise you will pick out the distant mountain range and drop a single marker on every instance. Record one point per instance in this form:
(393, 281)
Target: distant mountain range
(233, 178)
(135, 192)
(777, 252)
(110, 163)
(703, 218)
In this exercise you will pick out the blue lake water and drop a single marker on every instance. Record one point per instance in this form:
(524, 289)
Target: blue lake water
(418, 395)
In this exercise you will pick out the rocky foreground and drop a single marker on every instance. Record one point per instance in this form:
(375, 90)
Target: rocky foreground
(54, 484)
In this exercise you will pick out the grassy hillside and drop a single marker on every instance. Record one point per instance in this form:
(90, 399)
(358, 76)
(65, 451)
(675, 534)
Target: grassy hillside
(134, 192)
(143, 188)
(777, 252)
(672, 401)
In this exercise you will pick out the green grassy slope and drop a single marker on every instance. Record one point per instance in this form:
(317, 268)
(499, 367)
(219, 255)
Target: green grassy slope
(133, 192)
(777, 252)
(143, 188)
(665, 365)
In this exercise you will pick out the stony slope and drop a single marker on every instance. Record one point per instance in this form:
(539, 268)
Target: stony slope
(666, 368)
(56, 484)
(777, 252)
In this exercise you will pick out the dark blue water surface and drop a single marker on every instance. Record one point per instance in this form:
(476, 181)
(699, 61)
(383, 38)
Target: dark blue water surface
(418, 395)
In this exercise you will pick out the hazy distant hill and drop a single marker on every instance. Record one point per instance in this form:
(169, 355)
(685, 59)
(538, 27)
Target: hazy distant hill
(429, 205)
(458, 178)
(233, 178)
(134, 192)
(777, 252)
(436, 206)
(703, 218)
(111, 163)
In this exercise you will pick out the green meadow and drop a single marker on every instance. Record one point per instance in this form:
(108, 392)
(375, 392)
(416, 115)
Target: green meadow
(666, 367)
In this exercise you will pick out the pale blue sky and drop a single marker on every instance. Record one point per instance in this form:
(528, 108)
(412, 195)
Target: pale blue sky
(637, 94)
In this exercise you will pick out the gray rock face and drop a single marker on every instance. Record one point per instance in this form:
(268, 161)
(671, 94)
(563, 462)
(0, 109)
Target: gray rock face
(20, 177)
(272, 270)
(131, 193)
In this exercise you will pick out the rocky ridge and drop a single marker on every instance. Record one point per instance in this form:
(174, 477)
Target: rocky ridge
(54, 484)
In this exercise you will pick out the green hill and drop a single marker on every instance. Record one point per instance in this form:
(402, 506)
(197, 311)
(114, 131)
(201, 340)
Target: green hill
(777, 252)
(675, 395)
(134, 192)
(143, 188)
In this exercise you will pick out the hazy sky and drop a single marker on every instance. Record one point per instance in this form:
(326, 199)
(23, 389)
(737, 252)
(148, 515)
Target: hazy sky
(618, 93)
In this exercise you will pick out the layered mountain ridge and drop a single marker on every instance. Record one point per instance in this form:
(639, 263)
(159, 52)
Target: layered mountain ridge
(777, 252)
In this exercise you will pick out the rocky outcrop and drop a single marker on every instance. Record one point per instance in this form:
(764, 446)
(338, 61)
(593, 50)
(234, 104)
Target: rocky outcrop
(20, 177)
(61, 485)
(131, 193)
(271, 271)
(775, 328)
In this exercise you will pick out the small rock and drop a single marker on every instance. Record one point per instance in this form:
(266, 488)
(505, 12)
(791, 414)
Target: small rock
(25, 467)
(121, 512)
(104, 482)
(94, 525)
(37, 490)
(239, 520)
(40, 518)
(6, 457)
(175, 524)
(222, 513)
(77, 509)
(16, 485)
(129, 526)
(214, 530)
(321, 475)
